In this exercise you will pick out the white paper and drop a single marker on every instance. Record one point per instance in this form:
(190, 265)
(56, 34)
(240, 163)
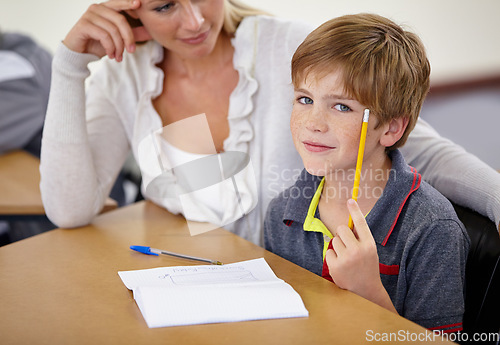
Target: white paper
(187, 295)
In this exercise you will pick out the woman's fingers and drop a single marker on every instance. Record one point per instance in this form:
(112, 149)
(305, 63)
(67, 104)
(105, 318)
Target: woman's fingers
(116, 15)
(99, 42)
(114, 31)
(122, 5)
(103, 30)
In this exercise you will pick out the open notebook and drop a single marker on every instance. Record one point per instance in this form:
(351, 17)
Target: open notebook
(187, 295)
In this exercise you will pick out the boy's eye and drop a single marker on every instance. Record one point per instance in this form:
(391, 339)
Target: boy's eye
(305, 100)
(342, 107)
(164, 8)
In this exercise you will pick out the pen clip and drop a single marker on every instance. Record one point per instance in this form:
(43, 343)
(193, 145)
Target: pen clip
(143, 249)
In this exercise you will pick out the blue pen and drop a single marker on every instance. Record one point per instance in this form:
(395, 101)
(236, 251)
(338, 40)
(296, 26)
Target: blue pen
(153, 251)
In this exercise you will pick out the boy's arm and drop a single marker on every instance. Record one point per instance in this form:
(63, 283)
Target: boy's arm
(354, 264)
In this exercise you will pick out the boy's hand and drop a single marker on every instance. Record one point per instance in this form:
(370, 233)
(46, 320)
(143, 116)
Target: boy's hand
(353, 262)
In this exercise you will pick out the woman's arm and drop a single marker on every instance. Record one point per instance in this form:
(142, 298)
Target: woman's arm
(84, 144)
(80, 159)
(460, 176)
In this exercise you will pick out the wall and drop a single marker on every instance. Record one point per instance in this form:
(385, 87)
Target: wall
(462, 37)
(470, 118)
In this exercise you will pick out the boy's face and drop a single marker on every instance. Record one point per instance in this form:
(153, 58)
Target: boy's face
(326, 127)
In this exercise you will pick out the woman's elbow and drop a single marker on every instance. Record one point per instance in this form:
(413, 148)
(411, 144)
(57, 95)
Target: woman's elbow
(68, 220)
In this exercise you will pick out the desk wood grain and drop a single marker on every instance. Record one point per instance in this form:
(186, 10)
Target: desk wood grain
(62, 287)
(20, 185)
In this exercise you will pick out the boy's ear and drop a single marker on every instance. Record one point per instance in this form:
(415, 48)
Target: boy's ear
(393, 131)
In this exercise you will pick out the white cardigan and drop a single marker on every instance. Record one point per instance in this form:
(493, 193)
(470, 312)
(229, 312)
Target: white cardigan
(87, 136)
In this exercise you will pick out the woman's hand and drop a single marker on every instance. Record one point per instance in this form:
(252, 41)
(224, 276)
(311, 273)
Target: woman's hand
(103, 30)
(354, 264)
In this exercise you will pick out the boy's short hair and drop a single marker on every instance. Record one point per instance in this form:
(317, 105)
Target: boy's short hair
(382, 66)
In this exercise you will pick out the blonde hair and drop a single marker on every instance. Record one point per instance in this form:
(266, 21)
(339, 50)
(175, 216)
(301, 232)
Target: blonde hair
(382, 66)
(234, 12)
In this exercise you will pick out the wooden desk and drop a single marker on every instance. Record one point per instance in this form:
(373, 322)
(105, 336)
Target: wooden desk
(20, 186)
(62, 287)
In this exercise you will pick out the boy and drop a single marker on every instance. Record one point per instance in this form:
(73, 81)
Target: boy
(408, 252)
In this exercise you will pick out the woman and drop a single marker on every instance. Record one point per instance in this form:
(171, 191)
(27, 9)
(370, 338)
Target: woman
(216, 57)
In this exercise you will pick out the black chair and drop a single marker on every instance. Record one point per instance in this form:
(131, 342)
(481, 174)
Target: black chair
(482, 276)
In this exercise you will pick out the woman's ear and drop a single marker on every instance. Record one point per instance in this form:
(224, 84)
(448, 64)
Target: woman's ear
(393, 131)
(132, 17)
(140, 32)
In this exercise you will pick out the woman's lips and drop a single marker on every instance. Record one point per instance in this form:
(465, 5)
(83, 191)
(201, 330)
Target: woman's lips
(316, 147)
(196, 39)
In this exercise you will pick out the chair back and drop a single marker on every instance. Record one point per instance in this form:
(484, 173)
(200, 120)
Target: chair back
(482, 275)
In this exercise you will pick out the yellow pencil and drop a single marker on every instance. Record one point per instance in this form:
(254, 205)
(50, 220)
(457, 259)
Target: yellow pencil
(359, 163)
